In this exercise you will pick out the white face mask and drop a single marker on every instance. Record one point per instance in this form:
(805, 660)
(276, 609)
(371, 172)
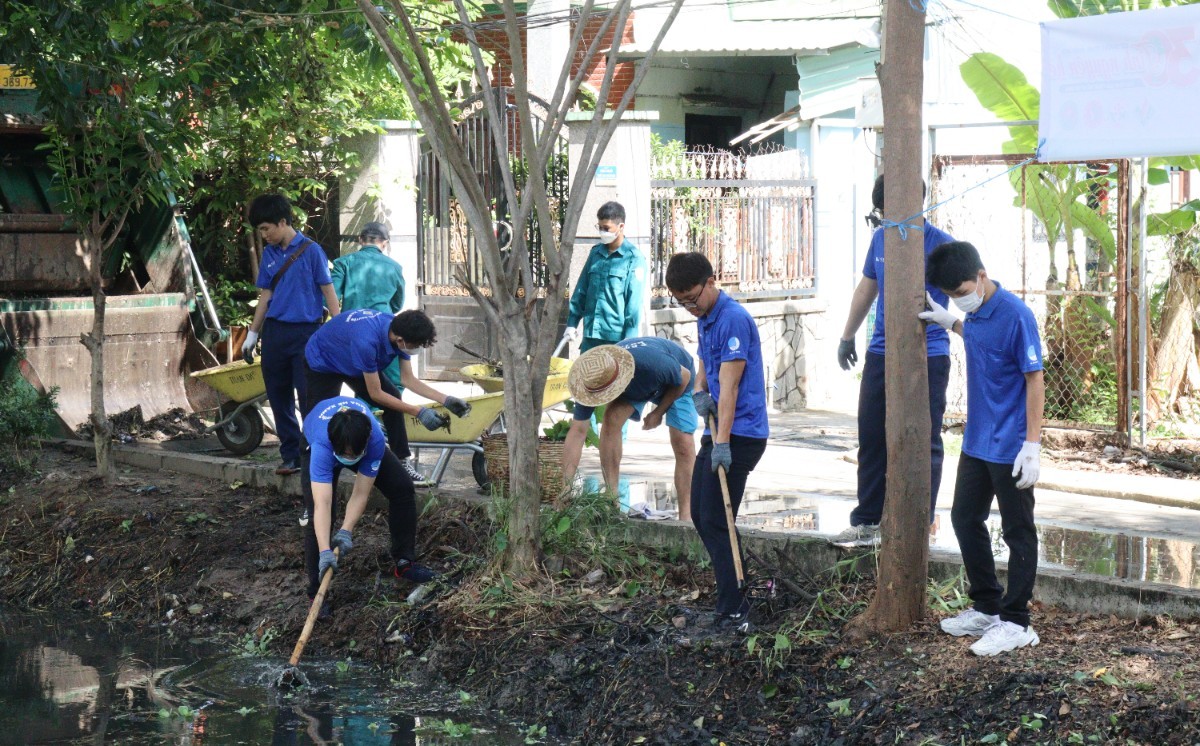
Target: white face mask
(606, 237)
(971, 302)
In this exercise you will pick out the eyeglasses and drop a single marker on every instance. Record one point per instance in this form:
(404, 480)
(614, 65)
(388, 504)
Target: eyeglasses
(693, 301)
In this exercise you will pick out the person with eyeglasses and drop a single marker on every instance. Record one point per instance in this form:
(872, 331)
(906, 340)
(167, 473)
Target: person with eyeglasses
(342, 434)
(872, 401)
(730, 390)
(354, 346)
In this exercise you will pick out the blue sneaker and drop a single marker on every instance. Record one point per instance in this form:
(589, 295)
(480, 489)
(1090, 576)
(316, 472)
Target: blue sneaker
(414, 573)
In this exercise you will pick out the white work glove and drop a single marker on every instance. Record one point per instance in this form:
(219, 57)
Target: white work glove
(937, 314)
(571, 334)
(248, 346)
(1028, 465)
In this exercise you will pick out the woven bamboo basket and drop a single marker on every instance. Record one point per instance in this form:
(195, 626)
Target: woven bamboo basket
(495, 451)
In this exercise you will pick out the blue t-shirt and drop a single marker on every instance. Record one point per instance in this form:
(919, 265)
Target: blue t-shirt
(656, 364)
(727, 333)
(937, 341)
(316, 431)
(352, 343)
(1002, 344)
(297, 298)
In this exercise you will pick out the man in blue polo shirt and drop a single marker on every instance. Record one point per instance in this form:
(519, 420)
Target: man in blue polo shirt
(342, 434)
(355, 347)
(1001, 455)
(730, 387)
(293, 279)
(625, 376)
(872, 399)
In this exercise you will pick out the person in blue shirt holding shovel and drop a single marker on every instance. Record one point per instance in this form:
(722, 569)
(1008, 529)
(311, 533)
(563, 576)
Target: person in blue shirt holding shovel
(1001, 451)
(342, 433)
(730, 391)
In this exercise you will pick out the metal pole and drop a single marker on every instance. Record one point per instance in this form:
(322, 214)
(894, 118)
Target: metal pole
(208, 304)
(1143, 308)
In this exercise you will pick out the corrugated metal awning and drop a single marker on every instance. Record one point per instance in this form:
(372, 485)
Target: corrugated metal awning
(702, 35)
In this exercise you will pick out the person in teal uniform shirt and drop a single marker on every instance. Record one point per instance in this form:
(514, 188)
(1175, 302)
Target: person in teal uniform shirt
(371, 279)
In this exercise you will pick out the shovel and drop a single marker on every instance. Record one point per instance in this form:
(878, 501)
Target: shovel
(734, 543)
(292, 676)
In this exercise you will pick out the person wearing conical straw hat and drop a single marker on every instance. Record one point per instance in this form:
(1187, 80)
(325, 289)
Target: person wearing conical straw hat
(624, 377)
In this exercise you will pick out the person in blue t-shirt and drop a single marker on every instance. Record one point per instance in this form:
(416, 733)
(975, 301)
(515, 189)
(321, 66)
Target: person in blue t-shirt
(342, 434)
(1001, 451)
(355, 348)
(872, 399)
(294, 291)
(625, 376)
(730, 388)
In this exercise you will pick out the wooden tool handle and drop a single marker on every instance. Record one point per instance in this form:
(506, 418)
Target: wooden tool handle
(735, 545)
(313, 612)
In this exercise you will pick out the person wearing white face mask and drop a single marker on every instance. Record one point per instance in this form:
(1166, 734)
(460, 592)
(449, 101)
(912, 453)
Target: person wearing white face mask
(342, 434)
(1000, 451)
(608, 296)
(355, 347)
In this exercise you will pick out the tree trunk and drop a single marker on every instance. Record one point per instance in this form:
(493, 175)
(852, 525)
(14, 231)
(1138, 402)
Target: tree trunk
(904, 555)
(1176, 342)
(94, 342)
(522, 415)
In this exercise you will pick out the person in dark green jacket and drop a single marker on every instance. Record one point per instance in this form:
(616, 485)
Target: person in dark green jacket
(608, 296)
(371, 279)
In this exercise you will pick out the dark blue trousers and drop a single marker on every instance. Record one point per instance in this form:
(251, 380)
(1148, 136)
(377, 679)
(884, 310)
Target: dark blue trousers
(283, 372)
(397, 488)
(872, 436)
(708, 512)
(978, 482)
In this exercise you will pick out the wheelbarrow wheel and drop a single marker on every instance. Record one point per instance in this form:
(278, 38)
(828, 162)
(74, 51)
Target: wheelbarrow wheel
(242, 434)
(479, 469)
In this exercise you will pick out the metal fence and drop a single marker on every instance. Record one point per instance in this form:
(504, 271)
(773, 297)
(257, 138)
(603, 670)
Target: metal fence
(1073, 283)
(756, 228)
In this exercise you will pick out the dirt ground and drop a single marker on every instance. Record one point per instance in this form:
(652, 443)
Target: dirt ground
(1087, 450)
(598, 650)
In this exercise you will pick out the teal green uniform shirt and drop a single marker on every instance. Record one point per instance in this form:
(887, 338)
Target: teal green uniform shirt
(608, 296)
(368, 279)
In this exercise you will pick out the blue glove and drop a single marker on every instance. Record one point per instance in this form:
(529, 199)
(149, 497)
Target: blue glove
(705, 406)
(457, 407)
(342, 542)
(328, 561)
(721, 457)
(431, 419)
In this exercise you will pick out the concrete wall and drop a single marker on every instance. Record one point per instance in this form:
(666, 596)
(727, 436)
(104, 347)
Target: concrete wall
(385, 189)
(790, 331)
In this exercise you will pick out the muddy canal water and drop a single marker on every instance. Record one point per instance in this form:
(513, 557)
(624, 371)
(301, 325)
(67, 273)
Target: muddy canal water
(68, 683)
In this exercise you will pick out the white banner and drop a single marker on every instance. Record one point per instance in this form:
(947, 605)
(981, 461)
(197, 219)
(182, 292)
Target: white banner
(1121, 85)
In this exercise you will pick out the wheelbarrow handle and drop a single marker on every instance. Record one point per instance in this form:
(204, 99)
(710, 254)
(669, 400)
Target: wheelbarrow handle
(561, 344)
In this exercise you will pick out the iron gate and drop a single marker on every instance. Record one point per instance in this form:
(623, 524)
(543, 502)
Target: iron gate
(1075, 284)
(445, 244)
(756, 225)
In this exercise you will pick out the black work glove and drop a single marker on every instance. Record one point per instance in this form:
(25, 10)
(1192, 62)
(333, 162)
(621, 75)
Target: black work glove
(847, 356)
(431, 419)
(457, 407)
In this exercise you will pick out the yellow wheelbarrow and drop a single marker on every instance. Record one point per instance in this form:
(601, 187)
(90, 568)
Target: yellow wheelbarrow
(242, 420)
(486, 416)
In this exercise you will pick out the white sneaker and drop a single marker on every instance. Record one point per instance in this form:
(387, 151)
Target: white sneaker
(419, 479)
(969, 622)
(1003, 637)
(866, 535)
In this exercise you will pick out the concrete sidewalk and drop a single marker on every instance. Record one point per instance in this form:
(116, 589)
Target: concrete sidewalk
(815, 452)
